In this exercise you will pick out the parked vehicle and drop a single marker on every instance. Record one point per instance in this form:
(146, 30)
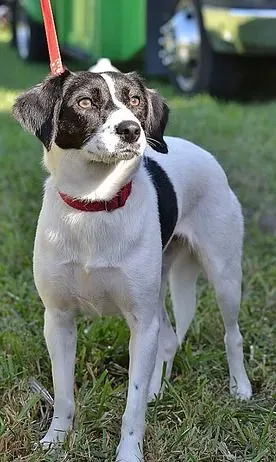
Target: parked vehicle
(205, 44)
(200, 44)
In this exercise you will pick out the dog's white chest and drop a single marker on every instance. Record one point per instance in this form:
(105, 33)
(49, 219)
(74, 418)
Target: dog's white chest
(95, 288)
(81, 266)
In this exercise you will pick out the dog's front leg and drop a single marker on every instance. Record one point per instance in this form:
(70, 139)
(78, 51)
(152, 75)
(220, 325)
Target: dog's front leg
(60, 335)
(143, 348)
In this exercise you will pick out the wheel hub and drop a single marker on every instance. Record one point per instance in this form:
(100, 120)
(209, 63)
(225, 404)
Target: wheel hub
(180, 44)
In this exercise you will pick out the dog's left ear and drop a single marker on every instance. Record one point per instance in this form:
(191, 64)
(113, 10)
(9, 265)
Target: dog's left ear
(157, 119)
(37, 109)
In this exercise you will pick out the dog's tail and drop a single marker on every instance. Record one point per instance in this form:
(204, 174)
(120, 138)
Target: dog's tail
(103, 65)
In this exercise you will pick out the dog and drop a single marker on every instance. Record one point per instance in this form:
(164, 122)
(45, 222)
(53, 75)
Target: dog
(125, 210)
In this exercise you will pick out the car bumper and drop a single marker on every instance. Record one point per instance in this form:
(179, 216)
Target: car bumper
(240, 30)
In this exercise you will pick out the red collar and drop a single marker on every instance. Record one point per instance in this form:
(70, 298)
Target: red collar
(98, 206)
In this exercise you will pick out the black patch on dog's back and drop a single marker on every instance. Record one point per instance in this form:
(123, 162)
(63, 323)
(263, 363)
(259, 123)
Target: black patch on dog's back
(167, 201)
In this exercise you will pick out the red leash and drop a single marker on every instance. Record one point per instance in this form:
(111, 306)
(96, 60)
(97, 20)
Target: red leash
(51, 35)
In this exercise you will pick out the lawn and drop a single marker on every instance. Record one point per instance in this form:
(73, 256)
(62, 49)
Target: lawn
(197, 420)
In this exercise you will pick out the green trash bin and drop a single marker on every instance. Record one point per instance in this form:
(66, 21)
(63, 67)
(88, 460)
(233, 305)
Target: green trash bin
(87, 29)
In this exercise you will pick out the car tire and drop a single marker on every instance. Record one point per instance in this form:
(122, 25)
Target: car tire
(204, 70)
(29, 36)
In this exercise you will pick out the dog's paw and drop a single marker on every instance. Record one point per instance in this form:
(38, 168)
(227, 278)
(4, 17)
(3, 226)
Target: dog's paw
(130, 458)
(53, 438)
(129, 453)
(56, 433)
(241, 390)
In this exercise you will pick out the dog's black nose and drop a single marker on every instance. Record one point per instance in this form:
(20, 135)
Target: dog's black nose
(128, 130)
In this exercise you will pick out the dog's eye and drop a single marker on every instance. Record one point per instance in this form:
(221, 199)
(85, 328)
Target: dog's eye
(134, 101)
(85, 103)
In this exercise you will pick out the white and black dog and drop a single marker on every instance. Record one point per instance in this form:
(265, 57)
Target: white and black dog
(126, 209)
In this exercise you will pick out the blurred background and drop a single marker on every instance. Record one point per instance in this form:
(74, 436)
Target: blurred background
(224, 47)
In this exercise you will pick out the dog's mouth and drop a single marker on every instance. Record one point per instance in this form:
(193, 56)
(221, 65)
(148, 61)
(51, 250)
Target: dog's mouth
(121, 154)
(127, 153)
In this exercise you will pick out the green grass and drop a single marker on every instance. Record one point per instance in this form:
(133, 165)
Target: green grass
(197, 420)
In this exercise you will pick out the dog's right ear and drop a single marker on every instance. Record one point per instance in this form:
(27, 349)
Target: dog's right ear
(37, 109)
(158, 114)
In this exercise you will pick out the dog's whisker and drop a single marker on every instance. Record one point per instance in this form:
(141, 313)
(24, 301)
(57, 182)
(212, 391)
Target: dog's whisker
(86, 139)
(153, 141)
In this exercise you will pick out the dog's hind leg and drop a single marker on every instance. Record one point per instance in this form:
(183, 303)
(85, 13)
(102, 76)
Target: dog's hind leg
(226, 277)
(167, 346)
(182, 280)
(220, 247)
(167, 340)
(60, 335)
(228, 291)
(183, 269)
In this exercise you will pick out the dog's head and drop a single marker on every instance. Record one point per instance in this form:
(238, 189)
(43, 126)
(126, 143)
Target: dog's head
(109, 116)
